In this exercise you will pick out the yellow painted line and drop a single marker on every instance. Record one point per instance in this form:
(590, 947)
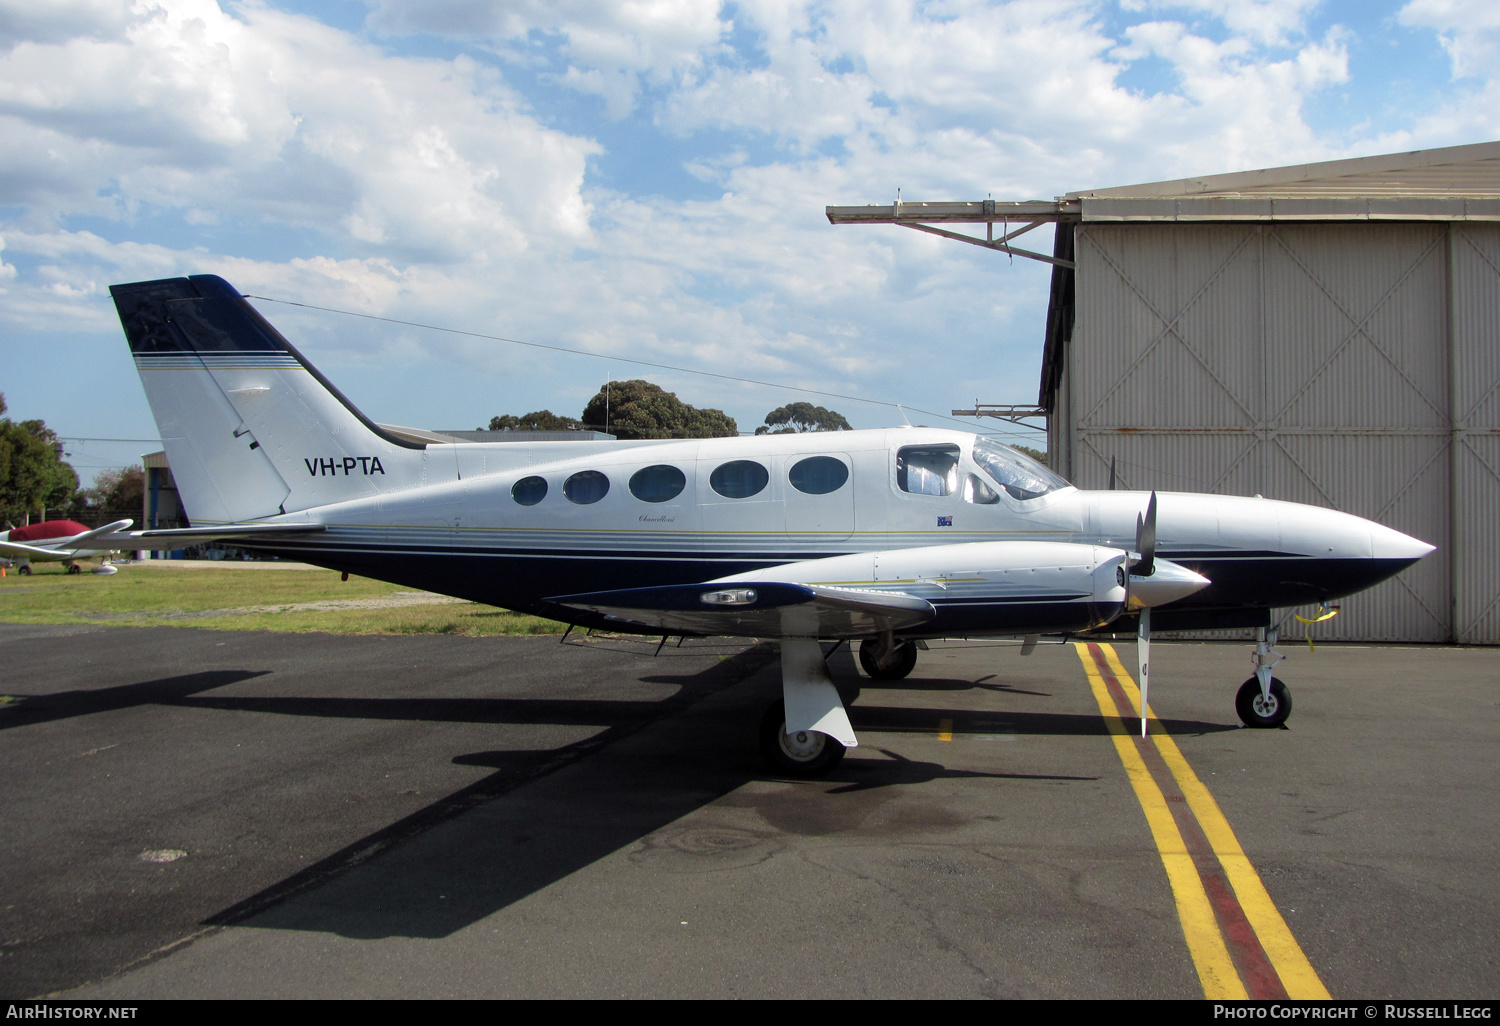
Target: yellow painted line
(1287, 957)
(1216, 972)
(945, 730)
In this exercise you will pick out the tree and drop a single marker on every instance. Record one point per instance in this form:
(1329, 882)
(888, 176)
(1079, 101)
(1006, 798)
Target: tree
(123, 489)
(541, 420)
(1035, 454)
(797, 417)
(33, 477)
(639, 409)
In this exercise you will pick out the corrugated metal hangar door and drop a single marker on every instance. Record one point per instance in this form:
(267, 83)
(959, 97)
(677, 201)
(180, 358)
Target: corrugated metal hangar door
(1308, 362)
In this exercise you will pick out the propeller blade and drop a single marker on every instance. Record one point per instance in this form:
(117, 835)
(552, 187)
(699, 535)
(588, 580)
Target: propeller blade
(1143, 660)
(1145, 541)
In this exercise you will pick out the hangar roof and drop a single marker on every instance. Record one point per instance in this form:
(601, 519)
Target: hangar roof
(1453, 183)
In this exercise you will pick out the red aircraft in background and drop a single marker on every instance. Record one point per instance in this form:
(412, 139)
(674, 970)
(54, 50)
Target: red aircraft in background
(51, 541)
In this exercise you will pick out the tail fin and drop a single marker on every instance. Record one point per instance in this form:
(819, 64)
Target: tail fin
(251, 428)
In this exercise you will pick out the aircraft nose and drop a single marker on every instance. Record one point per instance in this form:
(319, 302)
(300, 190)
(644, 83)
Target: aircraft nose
(1388, 544)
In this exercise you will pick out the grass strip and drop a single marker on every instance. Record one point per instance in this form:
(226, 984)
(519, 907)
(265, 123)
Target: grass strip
(236, 598)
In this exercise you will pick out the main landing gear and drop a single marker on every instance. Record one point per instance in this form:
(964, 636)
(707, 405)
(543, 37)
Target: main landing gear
(883, 659)
(806, 753)
(1263, 700)
(807, 731)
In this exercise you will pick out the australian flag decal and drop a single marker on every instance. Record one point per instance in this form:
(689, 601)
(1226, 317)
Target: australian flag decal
(945, 521)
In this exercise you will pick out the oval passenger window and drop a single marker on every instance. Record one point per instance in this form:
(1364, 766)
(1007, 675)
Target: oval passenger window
(660, 483)
(818, 475)
(529, 490)
(585, 487)
(739, 479)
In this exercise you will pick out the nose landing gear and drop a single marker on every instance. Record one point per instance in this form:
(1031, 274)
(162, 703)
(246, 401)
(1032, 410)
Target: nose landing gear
(1264, 701)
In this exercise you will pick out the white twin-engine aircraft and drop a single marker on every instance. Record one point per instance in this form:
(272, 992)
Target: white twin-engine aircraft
(887, 536)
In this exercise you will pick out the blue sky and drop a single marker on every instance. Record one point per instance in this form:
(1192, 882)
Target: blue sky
(640, 178)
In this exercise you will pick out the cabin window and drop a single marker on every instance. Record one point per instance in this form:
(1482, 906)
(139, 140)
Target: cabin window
(529, 490)
(818, 475)
(660, 483)
(927, 469)
(977, 491)
(1021, 476)
(739, 479)
(585, 487)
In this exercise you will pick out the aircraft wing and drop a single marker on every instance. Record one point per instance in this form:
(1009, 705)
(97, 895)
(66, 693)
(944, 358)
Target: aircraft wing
(764, 609)
(16, 550)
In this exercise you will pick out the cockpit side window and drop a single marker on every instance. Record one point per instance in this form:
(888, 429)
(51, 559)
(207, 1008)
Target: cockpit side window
(1021, 476)
(976, 491)
(927, 469)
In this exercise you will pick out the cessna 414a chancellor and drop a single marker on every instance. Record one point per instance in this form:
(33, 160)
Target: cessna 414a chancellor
(886, 536)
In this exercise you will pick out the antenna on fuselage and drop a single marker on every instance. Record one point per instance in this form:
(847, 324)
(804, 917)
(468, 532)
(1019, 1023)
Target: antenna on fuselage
(904, 417)
(1111, 473)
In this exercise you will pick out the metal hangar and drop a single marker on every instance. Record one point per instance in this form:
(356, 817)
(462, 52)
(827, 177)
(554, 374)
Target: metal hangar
(1324, 333)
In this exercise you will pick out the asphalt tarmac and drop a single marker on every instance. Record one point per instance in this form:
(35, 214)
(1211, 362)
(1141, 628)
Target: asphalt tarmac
(192, 813)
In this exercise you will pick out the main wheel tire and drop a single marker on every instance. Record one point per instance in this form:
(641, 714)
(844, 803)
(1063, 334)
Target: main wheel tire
(808, 753)
(74, 568)
(902, 663)
(1256, 711)
(24, 569)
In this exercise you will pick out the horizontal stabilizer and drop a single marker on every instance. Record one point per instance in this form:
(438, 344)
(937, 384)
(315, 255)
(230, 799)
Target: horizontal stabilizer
(197, 535)
(766, 609)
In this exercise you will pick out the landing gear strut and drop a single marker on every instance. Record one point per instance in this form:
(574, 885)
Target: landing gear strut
(1263, 700)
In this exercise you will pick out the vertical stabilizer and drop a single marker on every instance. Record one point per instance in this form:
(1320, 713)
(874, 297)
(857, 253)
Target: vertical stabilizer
(250, 427)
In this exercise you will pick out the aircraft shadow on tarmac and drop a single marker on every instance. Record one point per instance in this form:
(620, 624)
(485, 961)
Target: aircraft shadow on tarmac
(494, 843)
(62, 705)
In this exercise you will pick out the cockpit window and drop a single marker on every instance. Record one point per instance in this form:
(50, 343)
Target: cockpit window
(1021, 476)
(927, 469)
(975, 490)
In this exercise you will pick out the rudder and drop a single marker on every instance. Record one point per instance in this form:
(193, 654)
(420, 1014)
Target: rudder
(250, 427)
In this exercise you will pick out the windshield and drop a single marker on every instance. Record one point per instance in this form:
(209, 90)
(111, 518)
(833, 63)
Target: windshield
(1021, 476)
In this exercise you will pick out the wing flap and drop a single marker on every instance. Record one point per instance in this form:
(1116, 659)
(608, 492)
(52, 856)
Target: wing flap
(765, 609)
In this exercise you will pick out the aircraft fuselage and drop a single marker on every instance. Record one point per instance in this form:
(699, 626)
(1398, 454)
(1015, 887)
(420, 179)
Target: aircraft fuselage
(495, 535)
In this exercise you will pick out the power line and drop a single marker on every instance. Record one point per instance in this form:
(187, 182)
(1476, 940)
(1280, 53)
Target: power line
(619, 359)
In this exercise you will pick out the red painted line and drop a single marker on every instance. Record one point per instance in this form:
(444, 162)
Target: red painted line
(1250, 959)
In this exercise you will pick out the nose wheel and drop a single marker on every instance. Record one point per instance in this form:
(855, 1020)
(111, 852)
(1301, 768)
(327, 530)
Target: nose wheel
(807, 753)
(1263, 710)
